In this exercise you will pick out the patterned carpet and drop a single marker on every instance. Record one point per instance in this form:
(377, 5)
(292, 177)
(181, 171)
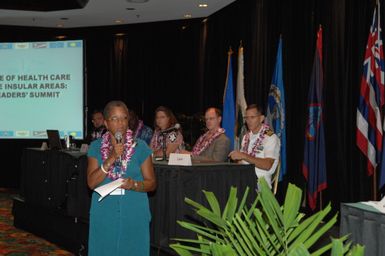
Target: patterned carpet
(16, 242)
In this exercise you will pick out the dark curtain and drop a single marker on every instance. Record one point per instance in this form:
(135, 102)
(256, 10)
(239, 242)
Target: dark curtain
(182, 64)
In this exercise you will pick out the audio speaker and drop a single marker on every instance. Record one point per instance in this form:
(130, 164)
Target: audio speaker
(42, 5)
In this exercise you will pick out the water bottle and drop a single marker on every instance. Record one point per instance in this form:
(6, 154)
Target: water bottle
(67, 141)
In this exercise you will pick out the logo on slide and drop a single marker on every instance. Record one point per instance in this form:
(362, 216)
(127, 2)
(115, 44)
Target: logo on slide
(5, 46)
(39, 134)
(6, 133)
(21, 46)
(21, 133)
(56, 45)
(39, 45)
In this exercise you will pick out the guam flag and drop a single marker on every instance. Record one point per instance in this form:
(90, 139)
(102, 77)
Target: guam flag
(314, 163)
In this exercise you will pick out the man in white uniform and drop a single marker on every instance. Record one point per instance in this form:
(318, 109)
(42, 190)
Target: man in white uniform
(260, 146)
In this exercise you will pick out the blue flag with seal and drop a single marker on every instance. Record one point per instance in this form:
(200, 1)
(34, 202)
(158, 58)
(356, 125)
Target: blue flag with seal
(314, 163)
(275, 114)
(228, 121)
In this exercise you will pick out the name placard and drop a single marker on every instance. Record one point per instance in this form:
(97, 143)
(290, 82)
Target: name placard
(179, 159)
(84, 148)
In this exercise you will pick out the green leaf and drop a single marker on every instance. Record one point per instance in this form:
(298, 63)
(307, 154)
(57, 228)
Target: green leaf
(231, 205)
(291, 206)
(199, 231)
(213, 202)
(243, 201)
(299, 250)
(184, 249)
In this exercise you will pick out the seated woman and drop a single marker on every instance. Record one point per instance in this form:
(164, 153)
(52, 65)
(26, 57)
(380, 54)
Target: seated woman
(173, 138)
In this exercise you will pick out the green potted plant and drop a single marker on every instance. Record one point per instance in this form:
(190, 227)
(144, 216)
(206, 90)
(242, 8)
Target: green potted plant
(263, 228)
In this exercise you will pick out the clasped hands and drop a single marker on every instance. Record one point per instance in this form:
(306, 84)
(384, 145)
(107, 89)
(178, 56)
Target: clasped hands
(129, 184)
(237, 155)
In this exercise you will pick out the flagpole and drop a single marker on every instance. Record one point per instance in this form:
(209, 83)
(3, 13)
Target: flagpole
(375, 184)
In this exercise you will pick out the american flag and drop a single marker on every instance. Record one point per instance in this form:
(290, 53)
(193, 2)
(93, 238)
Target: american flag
(371, 102)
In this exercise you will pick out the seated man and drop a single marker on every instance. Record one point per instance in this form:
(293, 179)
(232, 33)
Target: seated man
(213, 146)
(98, 128)
(260, 146)
(139, 129)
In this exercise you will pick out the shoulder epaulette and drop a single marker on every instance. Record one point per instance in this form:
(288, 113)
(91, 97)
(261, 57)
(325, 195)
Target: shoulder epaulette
(269, 132)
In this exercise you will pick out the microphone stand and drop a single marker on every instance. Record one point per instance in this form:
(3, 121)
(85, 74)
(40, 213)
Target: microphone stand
(164, 156)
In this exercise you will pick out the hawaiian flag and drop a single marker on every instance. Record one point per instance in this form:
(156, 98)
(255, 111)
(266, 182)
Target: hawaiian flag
(228, 120)
(275, 114)
(314, 163)
(371, 101)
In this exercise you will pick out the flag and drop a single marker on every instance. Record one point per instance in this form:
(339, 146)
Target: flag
(240, 102)
(371, 100)
(314, 163)
(382, 167)
(275, 114)
(228, 121)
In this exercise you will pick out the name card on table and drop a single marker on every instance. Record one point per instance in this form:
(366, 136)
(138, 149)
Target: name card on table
(179, 159)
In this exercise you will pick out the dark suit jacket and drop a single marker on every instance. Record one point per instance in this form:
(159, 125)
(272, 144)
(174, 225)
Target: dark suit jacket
(216, 152)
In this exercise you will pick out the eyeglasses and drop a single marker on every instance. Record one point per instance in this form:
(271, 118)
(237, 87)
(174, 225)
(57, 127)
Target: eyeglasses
(116, 119)
(250, 117)
(210, 118)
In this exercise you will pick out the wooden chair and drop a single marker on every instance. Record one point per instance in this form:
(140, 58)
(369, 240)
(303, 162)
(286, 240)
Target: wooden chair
(275, 179)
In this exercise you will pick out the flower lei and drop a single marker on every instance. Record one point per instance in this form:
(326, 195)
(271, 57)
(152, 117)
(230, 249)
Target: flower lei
(106, 148)
(140, 126)
(205, 141)
(156, 141)
(258, 142)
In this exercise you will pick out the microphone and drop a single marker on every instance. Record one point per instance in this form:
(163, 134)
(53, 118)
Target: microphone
(119, 138)
(173, 128)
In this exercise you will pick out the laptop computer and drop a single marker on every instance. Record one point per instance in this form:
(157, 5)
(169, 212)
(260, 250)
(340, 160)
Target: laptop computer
(54, 141)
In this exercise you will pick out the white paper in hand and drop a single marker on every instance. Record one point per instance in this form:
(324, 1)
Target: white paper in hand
(106, 189)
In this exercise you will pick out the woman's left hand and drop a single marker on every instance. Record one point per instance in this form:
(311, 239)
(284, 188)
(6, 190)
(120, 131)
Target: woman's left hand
(128, 184)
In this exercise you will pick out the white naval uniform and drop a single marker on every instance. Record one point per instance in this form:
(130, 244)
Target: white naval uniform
(270, 149)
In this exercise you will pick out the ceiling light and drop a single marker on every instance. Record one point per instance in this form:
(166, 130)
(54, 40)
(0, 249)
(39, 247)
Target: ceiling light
(60, 37)
(120, 34)
(187, 16)
(118, 21)
(59, 25)
(203, 5)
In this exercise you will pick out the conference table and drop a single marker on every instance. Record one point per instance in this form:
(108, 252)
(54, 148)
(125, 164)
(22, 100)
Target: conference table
(365, 225)
(55, 180)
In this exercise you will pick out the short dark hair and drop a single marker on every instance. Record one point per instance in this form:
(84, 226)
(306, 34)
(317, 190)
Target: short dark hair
(133, 120)
(112, 104)
(97, 111)
(257, 107)
(218, 112)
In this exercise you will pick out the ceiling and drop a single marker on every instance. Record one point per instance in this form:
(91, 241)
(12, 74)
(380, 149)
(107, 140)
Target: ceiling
(113, 12)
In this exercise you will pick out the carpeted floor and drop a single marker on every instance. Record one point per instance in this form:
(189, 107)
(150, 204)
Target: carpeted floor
(16, 242)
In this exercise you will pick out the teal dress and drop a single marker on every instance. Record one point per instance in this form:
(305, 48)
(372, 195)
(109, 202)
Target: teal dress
(120, 224)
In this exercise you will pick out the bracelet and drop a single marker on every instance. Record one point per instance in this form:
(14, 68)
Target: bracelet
(135, 185)
(142, 185)
(102, 168)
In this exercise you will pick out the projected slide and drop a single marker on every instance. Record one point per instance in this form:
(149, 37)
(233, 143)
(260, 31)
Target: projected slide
(41, 87)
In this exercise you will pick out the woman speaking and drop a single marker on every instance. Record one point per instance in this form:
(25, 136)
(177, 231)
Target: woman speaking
(119, 223)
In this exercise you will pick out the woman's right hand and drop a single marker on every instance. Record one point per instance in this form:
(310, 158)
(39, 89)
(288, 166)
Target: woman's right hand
(117, 150)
